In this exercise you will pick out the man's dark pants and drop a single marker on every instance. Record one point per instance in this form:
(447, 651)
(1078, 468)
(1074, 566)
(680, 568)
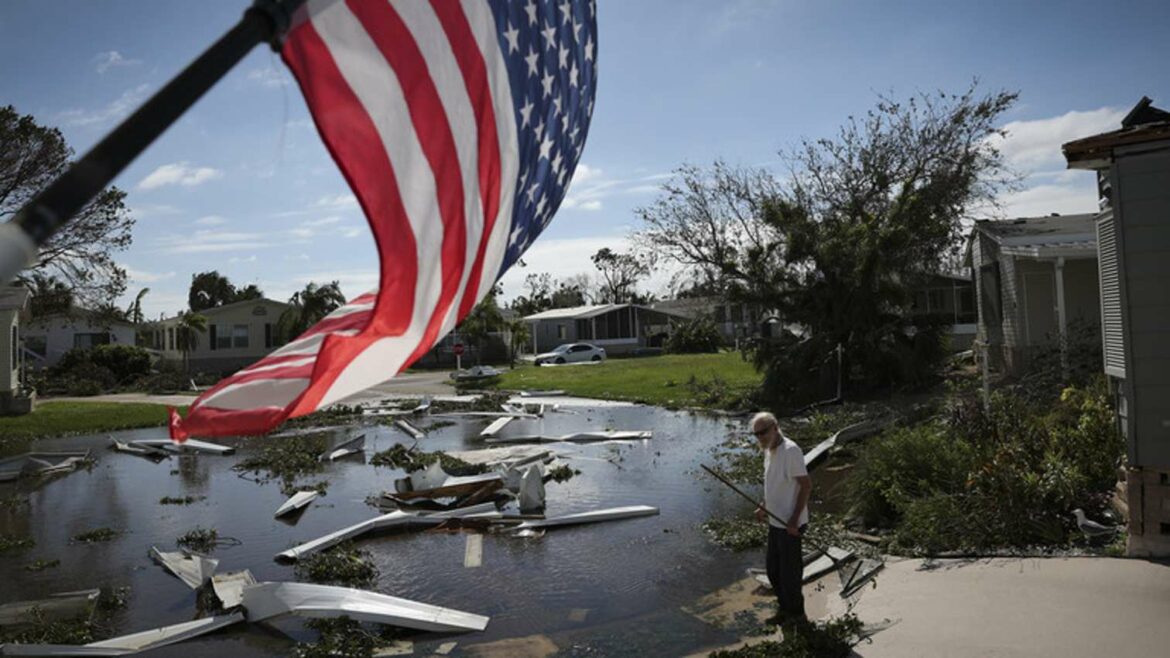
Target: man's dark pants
(785, 568)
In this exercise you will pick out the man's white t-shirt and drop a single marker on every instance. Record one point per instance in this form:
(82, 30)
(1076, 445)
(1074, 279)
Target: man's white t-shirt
(781, 468)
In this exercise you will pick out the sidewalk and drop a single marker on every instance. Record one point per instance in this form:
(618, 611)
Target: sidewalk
(1068, 607)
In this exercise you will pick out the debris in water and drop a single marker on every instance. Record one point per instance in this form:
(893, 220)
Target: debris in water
(96, 535)
(193, 569)
(342, 565)
(41, 565)
(269, 600)
(184, 500)
(298, 501)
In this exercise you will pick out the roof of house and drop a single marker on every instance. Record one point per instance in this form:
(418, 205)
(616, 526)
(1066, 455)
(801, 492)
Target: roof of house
(1144, 123)
(13, 298)
(1040, 237)
(586, 312)
(219, 309)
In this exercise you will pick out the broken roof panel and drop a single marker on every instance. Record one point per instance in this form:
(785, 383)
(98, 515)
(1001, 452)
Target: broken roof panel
(229, 587)
(191, 568)
(595, 516)
(269, 600)
(298, 501)
(574, 437)
(128, 644)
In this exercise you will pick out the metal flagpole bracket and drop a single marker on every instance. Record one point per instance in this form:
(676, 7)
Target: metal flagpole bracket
(280, 13)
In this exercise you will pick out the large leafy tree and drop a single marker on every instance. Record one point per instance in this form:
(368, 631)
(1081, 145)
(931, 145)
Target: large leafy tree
(835, 248)
(49, 295)
(307, 307)
(620, 273)
(81, 254)
(481, 321)
(212, 289)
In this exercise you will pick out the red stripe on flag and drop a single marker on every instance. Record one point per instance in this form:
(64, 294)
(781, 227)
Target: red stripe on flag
(429, 119)
(353, 140)
(350, 321)
(475, 78)
(212, 422)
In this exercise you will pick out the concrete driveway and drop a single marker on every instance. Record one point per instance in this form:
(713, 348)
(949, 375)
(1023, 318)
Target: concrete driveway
(1068, 607)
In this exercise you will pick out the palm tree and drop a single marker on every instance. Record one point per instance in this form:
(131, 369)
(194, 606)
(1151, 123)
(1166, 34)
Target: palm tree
(519, 336)
(134, 312)
(191, 324)
(482, 320)
(307, 307)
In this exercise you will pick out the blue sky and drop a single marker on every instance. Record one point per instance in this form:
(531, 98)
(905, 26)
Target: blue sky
(242, 184)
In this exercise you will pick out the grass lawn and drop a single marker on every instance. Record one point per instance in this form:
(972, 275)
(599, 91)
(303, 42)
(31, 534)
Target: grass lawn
(61, 418)
(661, 380)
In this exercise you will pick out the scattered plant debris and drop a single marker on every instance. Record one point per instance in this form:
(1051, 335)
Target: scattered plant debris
(40, 630)
(289, 488)
(834, 638)
(410, 460)
(737, 534)
(113, 598)
(287, 459)
(200, 540)
(96, 535)
(185, 500)
(343, 565)
(15, 501)
(14, 543)
(488, 401)
(41, 565)
(345, 638)
(439, 424)
(338, 414)
(562, 473)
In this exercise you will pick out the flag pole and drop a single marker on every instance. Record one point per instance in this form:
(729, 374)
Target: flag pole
(266, 21)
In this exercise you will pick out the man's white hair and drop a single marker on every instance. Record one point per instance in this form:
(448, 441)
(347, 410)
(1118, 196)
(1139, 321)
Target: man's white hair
(762, 418)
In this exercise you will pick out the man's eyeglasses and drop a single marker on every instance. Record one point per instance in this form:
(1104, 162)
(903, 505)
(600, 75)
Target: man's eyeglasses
(762, 432)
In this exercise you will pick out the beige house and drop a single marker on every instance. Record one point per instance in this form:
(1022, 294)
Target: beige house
(237, 335)
(12, 399)
(1035, 277)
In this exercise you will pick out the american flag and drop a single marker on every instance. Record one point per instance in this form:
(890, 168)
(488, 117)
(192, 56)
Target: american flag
(458, 124)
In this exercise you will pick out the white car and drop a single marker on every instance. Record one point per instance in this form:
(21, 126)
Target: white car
(572, 352)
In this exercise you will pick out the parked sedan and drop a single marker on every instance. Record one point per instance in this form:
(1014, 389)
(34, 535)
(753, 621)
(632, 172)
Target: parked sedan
(571, 353)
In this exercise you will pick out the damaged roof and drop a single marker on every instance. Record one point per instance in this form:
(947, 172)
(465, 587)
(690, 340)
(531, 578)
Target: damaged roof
(1144, 123)
(1053, 235)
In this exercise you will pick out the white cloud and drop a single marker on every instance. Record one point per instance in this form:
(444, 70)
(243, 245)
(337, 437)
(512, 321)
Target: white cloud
(115, 110)
(105, 61)
(353, 232)
(591, 186)
(178, 173)
(212, 241)
(142, 276)
(301, 232)
(1033, 148)
(1036, 143)
(240, 259)
(269, 77)
(324, 221)
(144, 210)
(338, 202)
(211, 220)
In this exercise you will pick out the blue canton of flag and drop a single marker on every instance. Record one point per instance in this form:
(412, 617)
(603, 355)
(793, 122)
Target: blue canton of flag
(551, 52)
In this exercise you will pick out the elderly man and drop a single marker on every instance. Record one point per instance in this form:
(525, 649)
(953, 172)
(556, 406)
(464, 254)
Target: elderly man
(786, 491)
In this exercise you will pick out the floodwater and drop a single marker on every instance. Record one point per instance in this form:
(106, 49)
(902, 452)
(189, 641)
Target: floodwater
(615, 588)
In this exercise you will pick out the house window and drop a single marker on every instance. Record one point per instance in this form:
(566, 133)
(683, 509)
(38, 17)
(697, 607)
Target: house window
(561, 331)
(268, 335)
(170, 338)
(87, 341)
(223, 338)
(937, 300)
(239, 335)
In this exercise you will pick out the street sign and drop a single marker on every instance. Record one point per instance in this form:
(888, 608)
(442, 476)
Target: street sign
(458, 349)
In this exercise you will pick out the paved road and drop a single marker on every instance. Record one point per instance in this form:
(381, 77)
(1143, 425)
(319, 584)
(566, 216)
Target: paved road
(429, 382)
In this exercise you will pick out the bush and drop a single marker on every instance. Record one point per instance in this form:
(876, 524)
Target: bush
(694, 337)
(125, 361)
(981, 480)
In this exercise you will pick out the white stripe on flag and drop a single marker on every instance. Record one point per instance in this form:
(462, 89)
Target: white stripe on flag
(376, 86)
(444, 70)
(483, 25)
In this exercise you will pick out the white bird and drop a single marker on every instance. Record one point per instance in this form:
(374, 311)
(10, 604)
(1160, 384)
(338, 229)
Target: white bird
(1092, 528)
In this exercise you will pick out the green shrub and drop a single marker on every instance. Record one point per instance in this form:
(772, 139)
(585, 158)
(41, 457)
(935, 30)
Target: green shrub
(981, 480)
(693, 337)
(126, 362)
